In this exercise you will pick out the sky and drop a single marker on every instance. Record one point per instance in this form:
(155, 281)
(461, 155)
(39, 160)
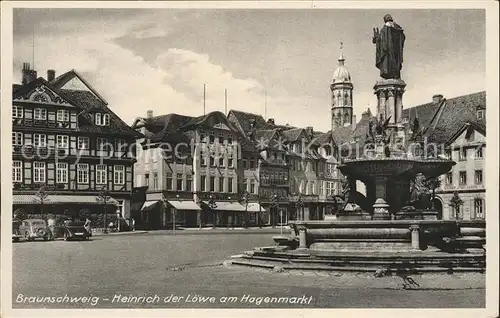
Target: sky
(144, 59)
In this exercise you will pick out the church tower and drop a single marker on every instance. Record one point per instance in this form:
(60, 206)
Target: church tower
(341, 102)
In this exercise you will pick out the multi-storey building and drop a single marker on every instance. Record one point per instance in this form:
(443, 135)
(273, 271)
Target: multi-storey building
(67, 141)
(456, 127)
(190, 168)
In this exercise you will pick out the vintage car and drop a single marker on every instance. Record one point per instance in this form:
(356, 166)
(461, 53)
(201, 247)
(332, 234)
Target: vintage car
(32, 229)
(75, 230)
(16, 234)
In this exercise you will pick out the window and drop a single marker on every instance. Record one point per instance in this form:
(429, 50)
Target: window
(252, 164)
(83, 143)
(449, 178)
(102, 144)
(62, 141)
(478, 176)
(462, 154)
(221, 184)
(62, 115)
(98, 119)
(39, 172)
(119, 178)
(17, 171)
(479, 152)
(221, 140)
(203, 183)
(221, 162)
(480, 114)
(230, 185)
(17, 138)
(146, 180)
(230, 163)
(40, 114)
(229, 141)
(211, 138)
(121, 146)
(479, 208)
(463, 177)
(245, 164)
(179, 182)
(40, 140)
(83, 173)
(202, 138)
(447, 154)
(212, 161)
(155, 180)
(203, 159)
(119, 208)
(62, 172)
(100, 174)
(105, 120)
(252, 186)
(189, 182)
(212, 184)
(17, 112)
(170, 181)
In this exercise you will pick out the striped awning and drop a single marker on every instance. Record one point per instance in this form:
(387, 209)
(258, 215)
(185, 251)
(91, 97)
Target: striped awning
(185, 205)
(60, 199)
(148, 204)
(255, 207)
(227, 206)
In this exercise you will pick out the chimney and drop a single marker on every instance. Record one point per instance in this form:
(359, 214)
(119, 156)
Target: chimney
(436, 99)
(25, 79)
(149, 114)
(270, 121)
(309, 131)
(51, 75)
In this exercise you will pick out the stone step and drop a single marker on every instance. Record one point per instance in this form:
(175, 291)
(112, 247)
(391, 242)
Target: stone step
(271, 266)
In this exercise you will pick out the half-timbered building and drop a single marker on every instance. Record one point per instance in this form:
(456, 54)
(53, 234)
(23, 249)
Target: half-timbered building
(68, 142)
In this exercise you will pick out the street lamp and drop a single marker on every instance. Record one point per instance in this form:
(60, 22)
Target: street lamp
(173, 216)
(104, 197)
(212, 205)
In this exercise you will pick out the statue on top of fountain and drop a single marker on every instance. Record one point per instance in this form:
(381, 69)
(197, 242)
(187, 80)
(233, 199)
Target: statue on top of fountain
(389, 48)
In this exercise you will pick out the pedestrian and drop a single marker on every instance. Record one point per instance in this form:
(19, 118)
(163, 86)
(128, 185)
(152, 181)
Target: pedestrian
(87, 225)
(51, 223)
(133, 224)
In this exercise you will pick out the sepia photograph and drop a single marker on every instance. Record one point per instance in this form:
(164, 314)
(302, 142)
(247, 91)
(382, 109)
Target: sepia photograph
(219, 156)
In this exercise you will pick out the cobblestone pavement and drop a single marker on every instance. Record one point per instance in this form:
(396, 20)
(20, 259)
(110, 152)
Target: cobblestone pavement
(191, 266)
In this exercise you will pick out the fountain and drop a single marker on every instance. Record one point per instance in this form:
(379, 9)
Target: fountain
(400, 230)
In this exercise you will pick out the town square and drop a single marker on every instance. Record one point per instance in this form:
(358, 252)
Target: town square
(189, 158)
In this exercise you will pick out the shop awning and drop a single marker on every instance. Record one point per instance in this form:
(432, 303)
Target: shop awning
(147, 204)
(60, 199)
(227, 206)
(185, 205)
(255, 207)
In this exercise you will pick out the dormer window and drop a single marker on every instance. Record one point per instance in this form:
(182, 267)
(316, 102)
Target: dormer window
(102, 119)
(480, 114)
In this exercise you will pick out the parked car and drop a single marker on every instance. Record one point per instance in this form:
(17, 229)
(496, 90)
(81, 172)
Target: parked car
(75, 230)
(16, 233)
(32, 229)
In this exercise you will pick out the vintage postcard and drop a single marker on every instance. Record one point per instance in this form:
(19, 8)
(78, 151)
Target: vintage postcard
(198, 159)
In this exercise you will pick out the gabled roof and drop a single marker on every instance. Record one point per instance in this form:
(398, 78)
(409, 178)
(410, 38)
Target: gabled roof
(243, 120)
(292, 135)
(469, 125)
(90, 103)
(63, 79)
(210, 120)
(441, 121)
(23, 92)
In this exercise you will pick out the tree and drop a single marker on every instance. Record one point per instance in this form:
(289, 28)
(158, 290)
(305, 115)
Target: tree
(245, 202)
(300, 207)
(433, 184)
(455, 203)
(104, 197)
(41, 196)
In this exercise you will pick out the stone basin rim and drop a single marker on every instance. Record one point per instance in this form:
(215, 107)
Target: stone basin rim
(375, 222)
